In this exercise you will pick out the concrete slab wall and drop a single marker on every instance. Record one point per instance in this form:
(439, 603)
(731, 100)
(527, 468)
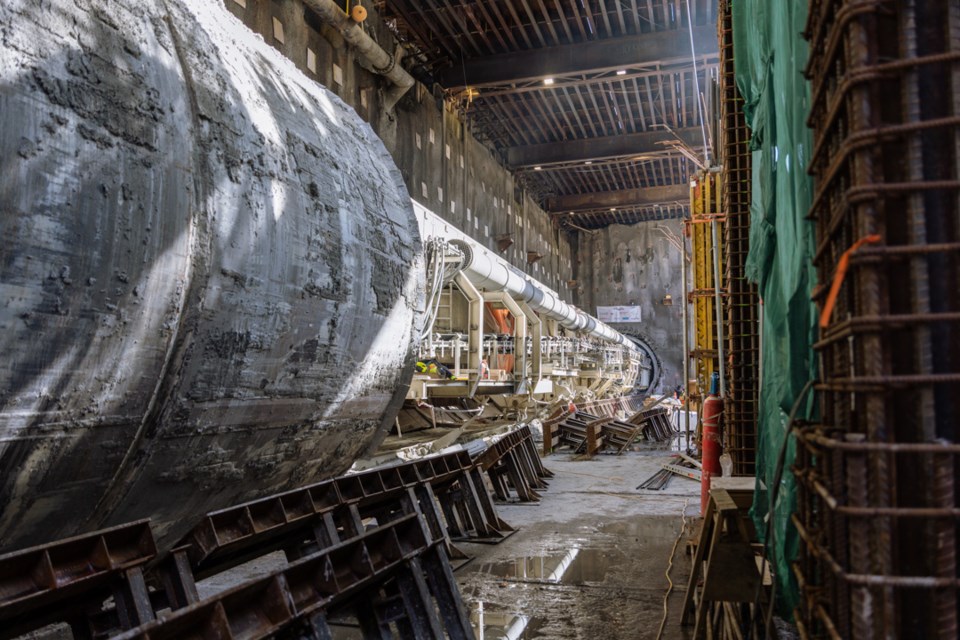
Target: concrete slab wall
(444, 166)
(637, 265)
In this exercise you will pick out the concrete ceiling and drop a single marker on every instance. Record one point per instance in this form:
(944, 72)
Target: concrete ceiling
(592, 102)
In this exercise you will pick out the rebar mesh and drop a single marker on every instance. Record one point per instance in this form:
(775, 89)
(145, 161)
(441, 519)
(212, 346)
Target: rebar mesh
(741, 308)
(877, 506)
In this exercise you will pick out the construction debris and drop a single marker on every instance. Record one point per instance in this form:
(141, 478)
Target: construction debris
(587, 433)
(680, 464)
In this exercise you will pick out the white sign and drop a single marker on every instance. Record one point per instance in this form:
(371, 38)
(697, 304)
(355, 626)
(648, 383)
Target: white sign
(618, 314)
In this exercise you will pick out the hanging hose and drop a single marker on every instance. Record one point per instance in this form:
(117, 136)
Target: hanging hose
(439, 273)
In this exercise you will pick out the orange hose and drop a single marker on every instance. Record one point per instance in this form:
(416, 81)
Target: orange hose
(838, 277)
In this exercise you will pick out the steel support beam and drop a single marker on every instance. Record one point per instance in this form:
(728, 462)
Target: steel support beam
(475, 332)
(664, 47)
(634, 144)
(623, 198)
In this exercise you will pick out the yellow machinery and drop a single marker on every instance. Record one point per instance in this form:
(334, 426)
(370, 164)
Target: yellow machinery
(706, 232)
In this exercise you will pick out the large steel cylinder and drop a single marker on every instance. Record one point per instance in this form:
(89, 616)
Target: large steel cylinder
(210, 269)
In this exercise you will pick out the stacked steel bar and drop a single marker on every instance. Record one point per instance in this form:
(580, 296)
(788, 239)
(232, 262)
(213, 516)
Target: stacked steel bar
(742, 304)
(878, 506)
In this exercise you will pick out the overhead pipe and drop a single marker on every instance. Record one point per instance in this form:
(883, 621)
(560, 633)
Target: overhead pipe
(370, 54)
(487, 271)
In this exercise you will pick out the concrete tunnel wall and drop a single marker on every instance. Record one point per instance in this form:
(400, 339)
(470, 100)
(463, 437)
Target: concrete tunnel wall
(637, 265)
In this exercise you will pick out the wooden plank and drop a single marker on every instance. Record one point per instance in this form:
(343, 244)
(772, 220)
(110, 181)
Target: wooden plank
(706, 531)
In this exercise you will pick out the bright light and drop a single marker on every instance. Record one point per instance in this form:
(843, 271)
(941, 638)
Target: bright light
(621, 72)
(548, 81)
(588, 162)
(537, 168)
(613, 208)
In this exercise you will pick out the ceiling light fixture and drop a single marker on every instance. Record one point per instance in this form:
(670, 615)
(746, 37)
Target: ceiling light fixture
(621, 72)
(588, 162)
(548, 81)
(538, 168)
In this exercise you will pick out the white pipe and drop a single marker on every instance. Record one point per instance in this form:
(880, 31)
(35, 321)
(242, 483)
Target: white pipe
(488, 271)
(369, 53)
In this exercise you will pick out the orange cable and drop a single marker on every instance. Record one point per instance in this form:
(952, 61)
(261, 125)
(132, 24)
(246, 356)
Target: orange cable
(839, 276)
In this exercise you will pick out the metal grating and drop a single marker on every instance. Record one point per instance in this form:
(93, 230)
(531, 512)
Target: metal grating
(742, 304)
(878, 507)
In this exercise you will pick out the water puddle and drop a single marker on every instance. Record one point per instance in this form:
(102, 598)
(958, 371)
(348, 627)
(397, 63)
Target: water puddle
(491, 622)
(649, 530)
(575, 567)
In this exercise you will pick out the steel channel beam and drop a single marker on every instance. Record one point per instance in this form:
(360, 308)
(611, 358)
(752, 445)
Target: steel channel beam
(230, 536)
(43, 584)
(303, 591)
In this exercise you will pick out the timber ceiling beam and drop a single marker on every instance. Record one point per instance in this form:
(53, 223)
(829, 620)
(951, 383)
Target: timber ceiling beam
(619, 199)
(602, 148)
(660, 47)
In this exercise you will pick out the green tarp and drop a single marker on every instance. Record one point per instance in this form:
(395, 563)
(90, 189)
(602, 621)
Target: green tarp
(770, 54)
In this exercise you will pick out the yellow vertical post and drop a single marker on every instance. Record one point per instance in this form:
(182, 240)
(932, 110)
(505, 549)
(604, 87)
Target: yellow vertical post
(705, 207)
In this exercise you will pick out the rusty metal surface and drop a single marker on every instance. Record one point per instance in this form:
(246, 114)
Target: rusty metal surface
(742, 304)
(74, 574)
(373, 546)
(229, 536)
(514, 466)
(300, 594)
(587, 433)
(878, 509)
(210, 274)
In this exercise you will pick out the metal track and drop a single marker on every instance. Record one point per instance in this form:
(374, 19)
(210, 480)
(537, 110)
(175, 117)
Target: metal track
(60, 581)
(299, 597)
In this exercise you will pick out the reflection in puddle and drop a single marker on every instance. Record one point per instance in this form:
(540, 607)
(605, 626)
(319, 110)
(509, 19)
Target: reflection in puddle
(574, 567)
(492, 623)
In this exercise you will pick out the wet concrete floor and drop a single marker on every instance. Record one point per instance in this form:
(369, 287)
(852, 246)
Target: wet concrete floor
(588, 562)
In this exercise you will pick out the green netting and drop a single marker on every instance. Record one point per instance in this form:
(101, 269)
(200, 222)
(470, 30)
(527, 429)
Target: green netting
(770, 53)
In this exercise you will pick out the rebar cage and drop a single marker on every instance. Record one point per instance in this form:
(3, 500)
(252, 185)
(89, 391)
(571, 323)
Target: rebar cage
(878, 507)
(741, 308)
